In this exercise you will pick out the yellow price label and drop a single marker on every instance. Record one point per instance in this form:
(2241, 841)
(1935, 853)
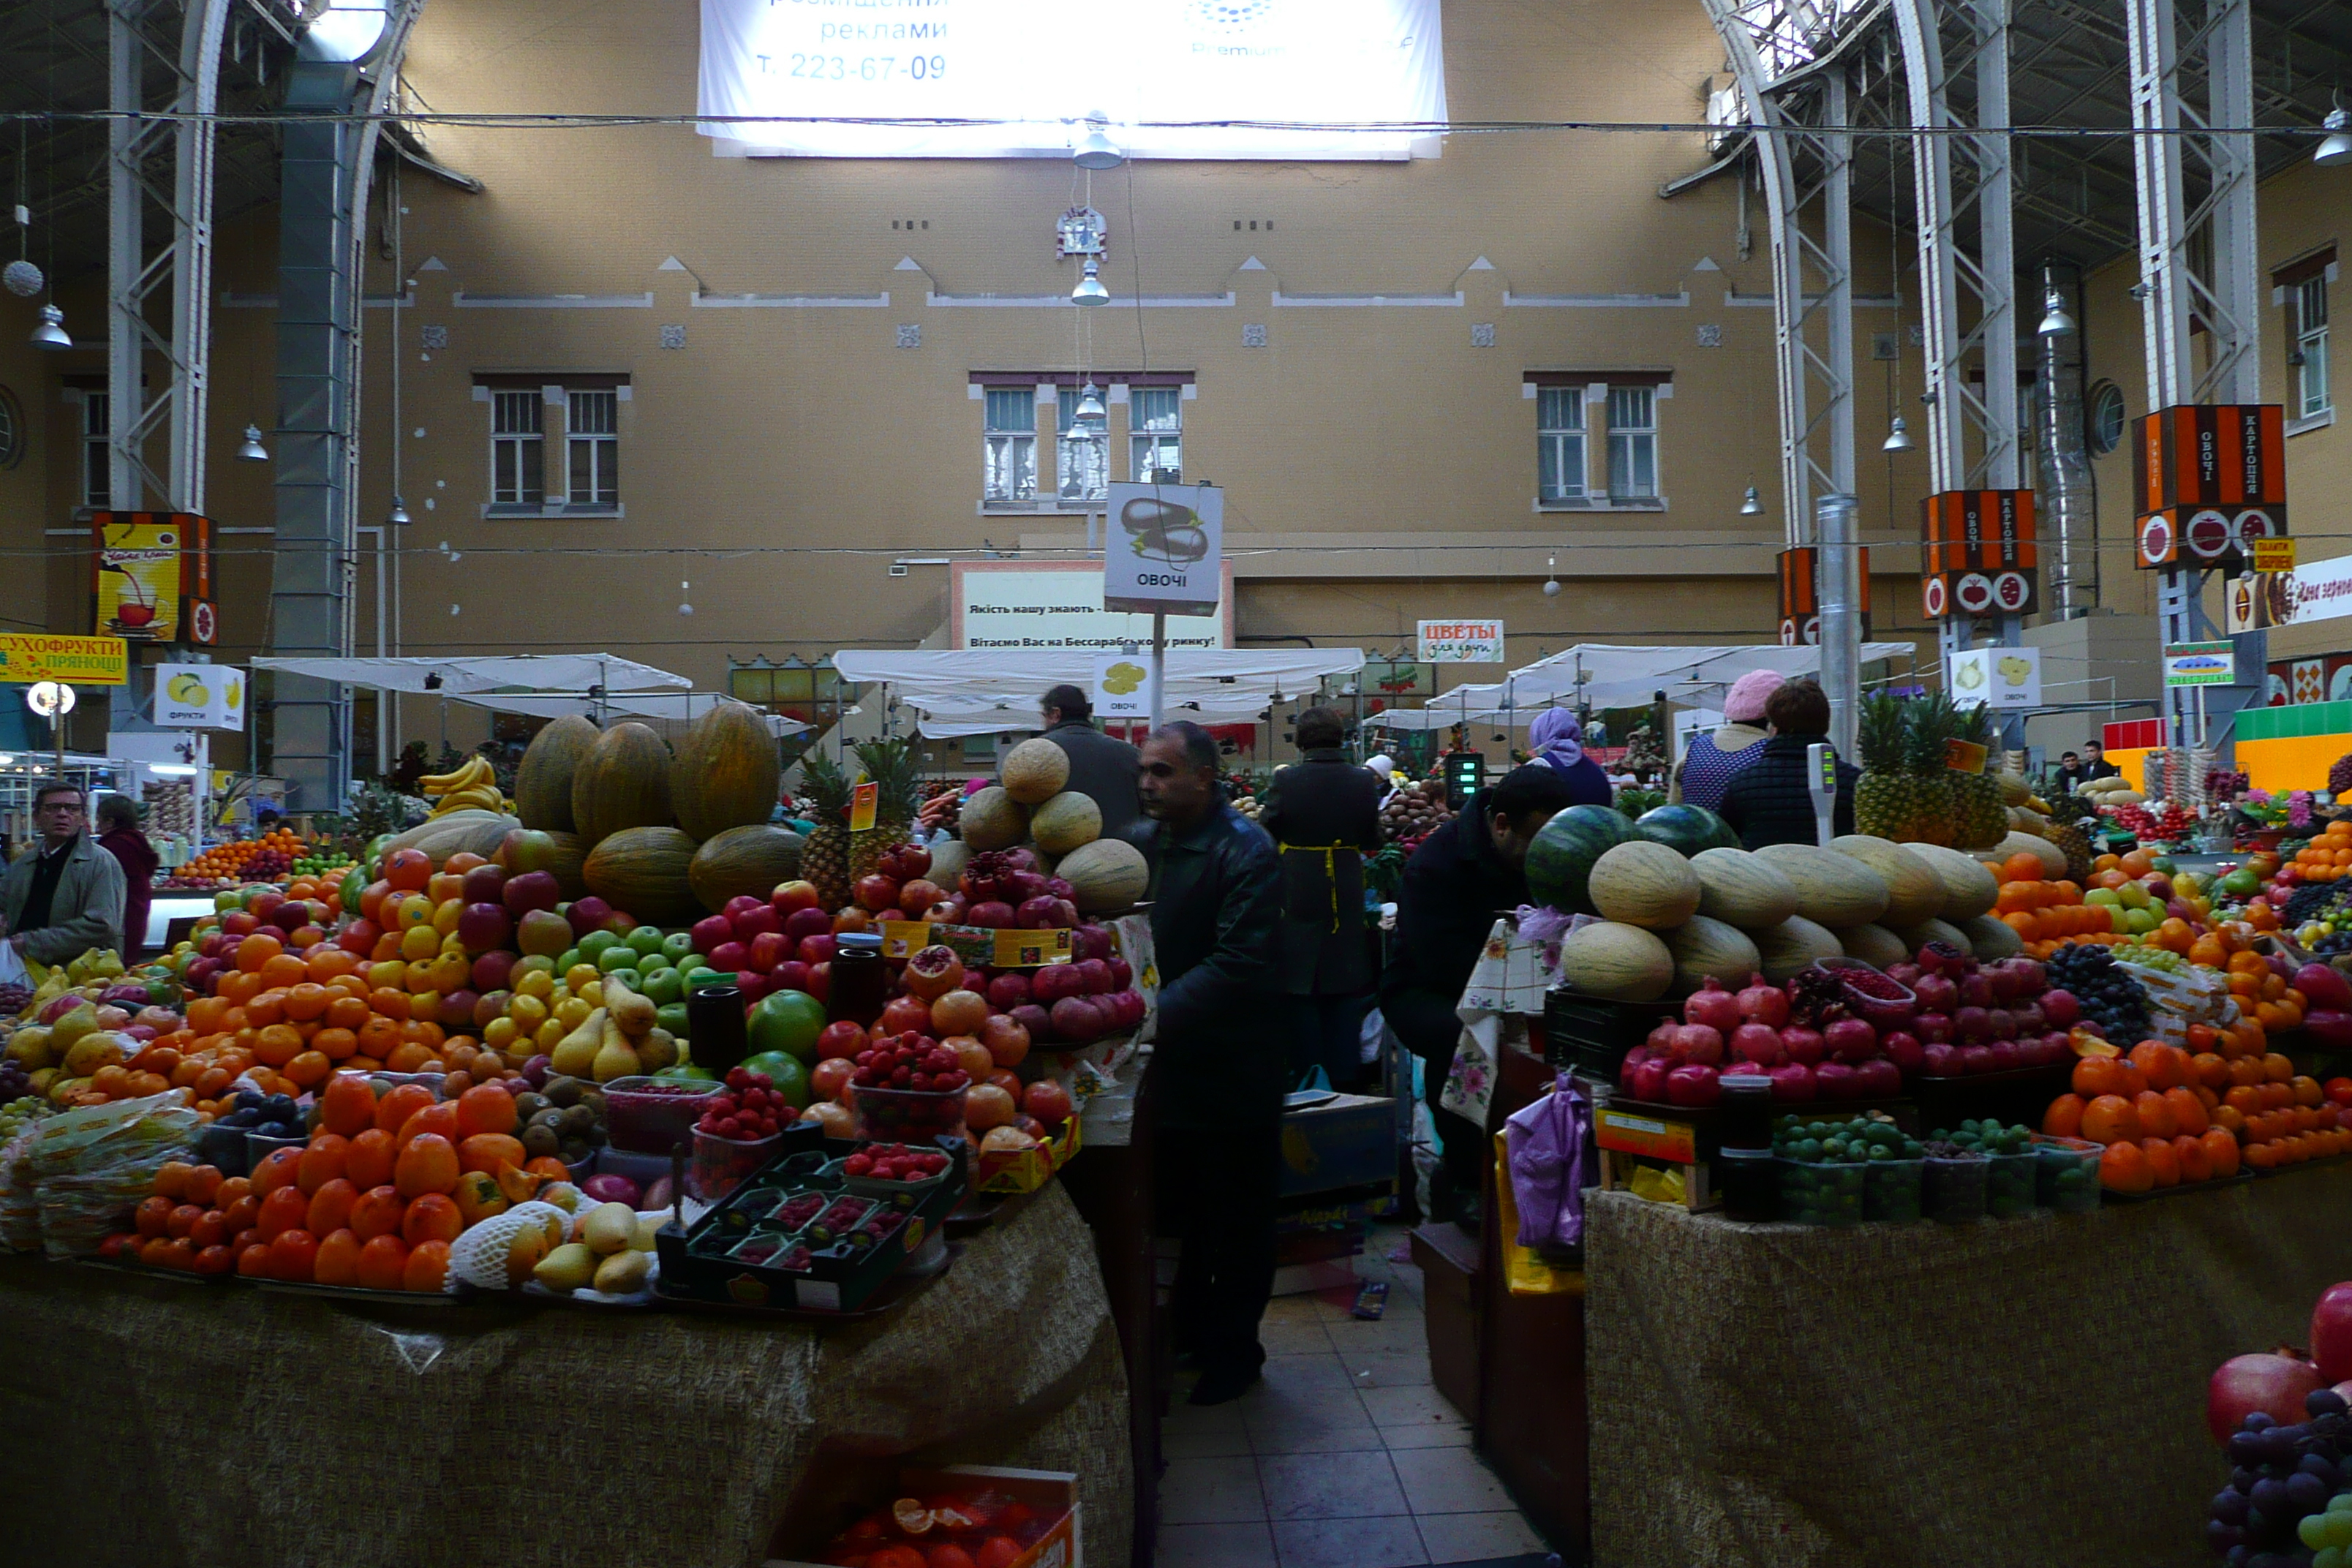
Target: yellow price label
(863, 801)
(1964, 756)
(2274, 555)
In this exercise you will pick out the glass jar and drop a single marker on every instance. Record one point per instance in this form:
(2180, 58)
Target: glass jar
(861, 981)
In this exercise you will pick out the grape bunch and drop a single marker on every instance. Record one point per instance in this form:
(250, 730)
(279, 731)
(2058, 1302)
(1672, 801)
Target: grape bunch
(2113, 1002)
(15, 1083)
(19, 1106)
(2162, 958)
(14, 999)
(2283, 1476)
(2313, 899)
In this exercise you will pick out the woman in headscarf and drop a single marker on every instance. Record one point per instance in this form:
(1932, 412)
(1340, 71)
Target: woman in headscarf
(1713, 759)
(1557, 742)
(1384, 768)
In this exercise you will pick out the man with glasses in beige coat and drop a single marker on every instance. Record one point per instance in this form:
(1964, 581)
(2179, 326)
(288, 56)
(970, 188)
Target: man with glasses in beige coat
(63, 896)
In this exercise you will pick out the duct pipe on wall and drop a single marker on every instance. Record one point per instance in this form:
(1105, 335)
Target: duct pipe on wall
(2061, 474)
(1837, 517)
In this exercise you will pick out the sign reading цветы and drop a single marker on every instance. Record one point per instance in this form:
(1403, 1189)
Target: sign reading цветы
(1461, 642)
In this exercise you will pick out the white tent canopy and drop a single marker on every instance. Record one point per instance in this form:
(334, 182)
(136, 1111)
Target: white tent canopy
(488, 672)
(1609, 675)
(984, 691)
(681, 708)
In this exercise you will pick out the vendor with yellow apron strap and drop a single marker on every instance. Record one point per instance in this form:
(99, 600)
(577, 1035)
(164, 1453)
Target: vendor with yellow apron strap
(1324, 814)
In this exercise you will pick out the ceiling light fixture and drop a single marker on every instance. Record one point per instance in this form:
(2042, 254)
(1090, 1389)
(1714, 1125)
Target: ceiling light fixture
(1752, 504)
(1096, 150)
(1551, 582)
(399, 517)
(2055, 321)
(1090, 289)
(2335, 148)
(51, 332)
(1899, 439)
(252, 450)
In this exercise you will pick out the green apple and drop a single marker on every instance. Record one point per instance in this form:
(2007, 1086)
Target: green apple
(596, 941)
(617, 955)
(671, 1015)
(679, 946)
(645, 939)
(662, 986)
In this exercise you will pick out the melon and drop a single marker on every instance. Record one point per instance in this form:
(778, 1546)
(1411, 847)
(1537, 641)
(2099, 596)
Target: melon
(1703, 947)
(1832, 890)
(1969, 888)
(1617, 962)
(1915, 937)
(1990, 937)
(1035, 771)
(1743, 889)
(1794, 944)
(1106, 876)
(1874, 944)
(542, 790)
(749, 861)
(1645, 884)
(949, 857)
(2026, 820)
(646, 872)
(1914, 891)
(1560, 861)
(623, 782)
(727, 772)
(570, 860)
(1064, 822)
(458, 832)
(2052, 858)
(993, 819)
(1688, 828)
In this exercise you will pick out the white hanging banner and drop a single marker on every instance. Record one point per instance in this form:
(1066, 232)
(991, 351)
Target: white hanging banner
(1175, 78)
(1163, 548)
(200, 697)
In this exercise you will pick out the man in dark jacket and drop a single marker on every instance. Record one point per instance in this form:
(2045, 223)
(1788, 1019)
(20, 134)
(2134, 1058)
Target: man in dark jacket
(1102, 768)
(1463, 876)
(1770, 800)
(1217, 1062)
(1324, 812)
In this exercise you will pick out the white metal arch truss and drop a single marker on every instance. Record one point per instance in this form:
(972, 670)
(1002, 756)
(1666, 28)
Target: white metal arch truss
(1788, 90)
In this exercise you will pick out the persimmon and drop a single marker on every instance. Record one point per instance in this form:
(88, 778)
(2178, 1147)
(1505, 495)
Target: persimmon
(286, 1208)
(322, 1162)
(434, 1216)
(378, 1213)
(2196, 1163)
(2124, 1168)
(2189, 1114)
(2110, 1119)
(392, 1111)
(2064, 1117)
(428, 1163)
(440, 1117)
(331, 1207)
(2163, 1163)
(2221, 1152)
(382, 1260)
(427, 1269)
(2096, 1076)
(2156, 1118)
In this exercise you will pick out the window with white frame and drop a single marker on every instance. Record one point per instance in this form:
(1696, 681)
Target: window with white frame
(1633, 443)
(97, 458)
(1155, 421)
(518, 449)
(1559, 443)
(1009, 445)
(592, 442)
(1082, 452)
(2309, 356)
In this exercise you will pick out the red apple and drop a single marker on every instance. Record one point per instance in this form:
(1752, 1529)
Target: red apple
(709, 932)
(528, 890)
(484, 884)
(876, 893)
(492, 970)
(754, 920)
(817, 948)
(1048, 1101)
(791, 974)
(730, 954)
(791, 897)
(769, 949)
(481, 927)
(842, 1037)
(807, 921)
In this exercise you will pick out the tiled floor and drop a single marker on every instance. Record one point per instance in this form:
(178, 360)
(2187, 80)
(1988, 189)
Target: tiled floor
(1343, 1457)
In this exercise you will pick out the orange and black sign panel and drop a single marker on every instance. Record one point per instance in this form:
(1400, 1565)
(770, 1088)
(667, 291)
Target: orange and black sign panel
(2210, 454)
(1801, 602)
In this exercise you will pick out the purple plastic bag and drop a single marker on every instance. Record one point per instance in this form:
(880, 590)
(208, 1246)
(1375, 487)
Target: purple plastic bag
(1546, 1160)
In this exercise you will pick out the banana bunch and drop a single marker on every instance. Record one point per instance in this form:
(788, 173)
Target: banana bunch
(473, 787)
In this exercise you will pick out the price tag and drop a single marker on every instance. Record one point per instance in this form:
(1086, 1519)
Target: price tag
(1647, 1135)
(1000, 949)
(1964, 756)
(863, 801)
(904, 939)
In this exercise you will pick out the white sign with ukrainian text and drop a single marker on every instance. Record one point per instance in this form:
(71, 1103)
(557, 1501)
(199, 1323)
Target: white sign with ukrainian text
(199, 697)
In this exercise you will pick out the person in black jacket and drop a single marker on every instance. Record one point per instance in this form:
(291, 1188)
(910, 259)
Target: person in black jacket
(1102, 767)
(1324, 812)
(1769, 801)
(1462, 877)
(1217, 1072)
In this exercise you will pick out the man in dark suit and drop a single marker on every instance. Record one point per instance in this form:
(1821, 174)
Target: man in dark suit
(1101, 768)
(1216, 1077)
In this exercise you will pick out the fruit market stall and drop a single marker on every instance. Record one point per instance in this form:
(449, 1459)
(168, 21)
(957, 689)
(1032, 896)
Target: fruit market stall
(431, 1435)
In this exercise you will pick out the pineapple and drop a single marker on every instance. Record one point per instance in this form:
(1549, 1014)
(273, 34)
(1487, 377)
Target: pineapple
(896, 769)
(1883, 800)
(2064, 832)
(1931, 719)
(824, 859)
(1980, 819)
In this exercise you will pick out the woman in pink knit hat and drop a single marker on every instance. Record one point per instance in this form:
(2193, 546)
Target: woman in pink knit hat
(1714, 758)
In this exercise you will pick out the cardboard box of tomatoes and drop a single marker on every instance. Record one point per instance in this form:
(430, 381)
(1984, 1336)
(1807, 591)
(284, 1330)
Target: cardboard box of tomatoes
(966, 1516)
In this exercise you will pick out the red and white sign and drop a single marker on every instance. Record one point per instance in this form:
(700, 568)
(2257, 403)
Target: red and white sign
(2157, 545)
(1973, 592)
(2206, 537)
(1934, 598)
(2011, 592)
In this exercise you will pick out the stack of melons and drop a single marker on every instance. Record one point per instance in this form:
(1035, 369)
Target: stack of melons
(1030, 806)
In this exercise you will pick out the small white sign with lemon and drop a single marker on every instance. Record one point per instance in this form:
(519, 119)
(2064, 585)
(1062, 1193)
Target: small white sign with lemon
(2004, 678)
(200, 697)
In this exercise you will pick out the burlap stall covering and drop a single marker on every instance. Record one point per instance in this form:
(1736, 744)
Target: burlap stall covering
(156, 1424)
(2007, 1393)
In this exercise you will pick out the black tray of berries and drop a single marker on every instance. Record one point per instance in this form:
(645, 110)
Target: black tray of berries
(794, 1235)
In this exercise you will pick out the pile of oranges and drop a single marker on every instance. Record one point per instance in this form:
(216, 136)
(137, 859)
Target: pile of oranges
(2328, 856)
(229, 862)
(386, 1182)
(2170, 1115)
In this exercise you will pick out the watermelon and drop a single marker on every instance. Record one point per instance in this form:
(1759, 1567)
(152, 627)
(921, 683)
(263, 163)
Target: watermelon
(1560, 861)
(1686, 829)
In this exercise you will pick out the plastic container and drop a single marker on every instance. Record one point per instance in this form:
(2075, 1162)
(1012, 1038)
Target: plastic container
(721, 1163)
(1821, 1193)
(907, 1115)
(646, 1115)
(2067, 1174)
(260, 1146)
(2009, 1183)
(223, 1147)
(1954, 1190)
(1891, 1190)
(1750, 1180)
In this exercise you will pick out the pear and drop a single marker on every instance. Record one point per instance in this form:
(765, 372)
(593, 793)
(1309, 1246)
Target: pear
(634, 1013)
(623, 1273)
(650, 1224)
(609, 1228)
(657, 1050)
(567, 1267)
(616, 1056)
(575, 1054)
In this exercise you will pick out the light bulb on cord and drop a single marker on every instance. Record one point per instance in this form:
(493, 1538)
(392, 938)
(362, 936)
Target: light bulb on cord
(684, 609)
(1551, 582)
